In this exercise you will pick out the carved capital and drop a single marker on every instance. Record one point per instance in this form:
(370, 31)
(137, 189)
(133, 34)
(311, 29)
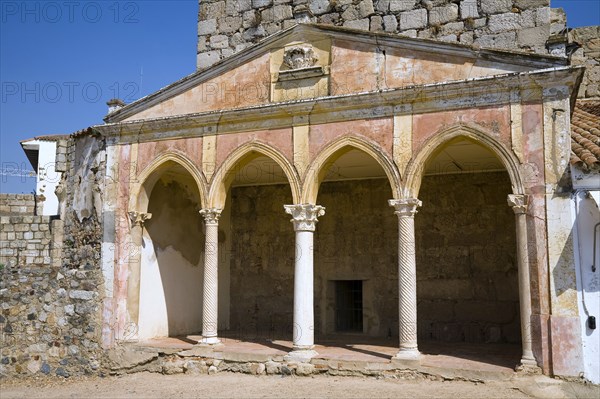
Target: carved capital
(304, 216)
(211, 215)
(138, 218)
(406, 207)
(518, 202)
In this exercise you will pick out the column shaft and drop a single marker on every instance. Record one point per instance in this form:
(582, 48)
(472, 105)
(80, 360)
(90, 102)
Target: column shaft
(210, 304)
(407, 277)
(519, 204)
(304, 218)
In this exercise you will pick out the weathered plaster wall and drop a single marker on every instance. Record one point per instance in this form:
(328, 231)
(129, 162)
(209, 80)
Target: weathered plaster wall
(228, 26)
(172, 262)
(466, 258)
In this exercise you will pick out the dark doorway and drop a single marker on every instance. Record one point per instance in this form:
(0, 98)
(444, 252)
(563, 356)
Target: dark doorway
(349, 305)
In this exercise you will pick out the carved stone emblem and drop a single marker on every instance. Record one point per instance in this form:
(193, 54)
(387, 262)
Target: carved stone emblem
(299, 57)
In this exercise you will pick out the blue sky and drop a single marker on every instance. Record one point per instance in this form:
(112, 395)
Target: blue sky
(60, 61)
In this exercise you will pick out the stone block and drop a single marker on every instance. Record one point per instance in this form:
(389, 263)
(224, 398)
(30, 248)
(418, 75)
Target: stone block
(402, 5)
(204, 60)
(219, 41)
(207, 27)
(362, 24)
(527, 4)
(441, 15)
(365, 8)
(496, 6)
(409, 33)
(261, 3)
(415, 19)
(250, 19)
(452, 27)
(531, 37)
(350, 14)
(376, 23)
(329, 19)
(390, 24)
(229, 24)
(505, 22)
(468, 9)
(251, 34)
(235, 7)
(276, 13)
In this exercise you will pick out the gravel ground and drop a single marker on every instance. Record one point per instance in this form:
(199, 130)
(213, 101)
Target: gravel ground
(228, 385)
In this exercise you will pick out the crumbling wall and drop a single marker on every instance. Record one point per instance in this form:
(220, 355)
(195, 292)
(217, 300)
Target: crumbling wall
(50, 321)
(228, 26)
(588, 55)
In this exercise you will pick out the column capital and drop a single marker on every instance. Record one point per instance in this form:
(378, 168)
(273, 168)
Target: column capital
(304, 216)
(405, 207)
(518, 202)
(138, 218)
(211, 215)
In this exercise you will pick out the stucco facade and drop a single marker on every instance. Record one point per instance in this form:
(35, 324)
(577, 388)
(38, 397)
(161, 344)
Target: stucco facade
(360, 94)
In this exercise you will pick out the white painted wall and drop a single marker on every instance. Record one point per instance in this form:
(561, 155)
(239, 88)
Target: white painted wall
(47, 177)
(587, 215)
(170, 293)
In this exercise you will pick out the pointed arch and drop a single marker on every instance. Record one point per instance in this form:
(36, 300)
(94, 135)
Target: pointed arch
(224, 176)
(416, 167)
(142, 187)
(318, 168)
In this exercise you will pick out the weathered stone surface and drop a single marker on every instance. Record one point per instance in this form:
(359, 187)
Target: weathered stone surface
(305, 369)
(207, 27)
(502, 40)
(362, 24)
(468, 9)
(207, 59)
(219, 41)
(526, 4)
(441, 15)
(415, 19)
(402, 5)
(390, 24)
(496, 6)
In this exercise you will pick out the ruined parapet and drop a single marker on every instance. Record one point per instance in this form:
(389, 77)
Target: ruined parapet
(588, 55)
(226, 27)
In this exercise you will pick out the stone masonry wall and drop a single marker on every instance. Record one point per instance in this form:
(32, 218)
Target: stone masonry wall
(17, 204)
(228, 26)
(587, 55)
(50, 278)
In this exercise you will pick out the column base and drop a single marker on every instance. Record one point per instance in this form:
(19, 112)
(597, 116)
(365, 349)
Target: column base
(408, 358)
(209, 341)
(299, 355)
(528, 366)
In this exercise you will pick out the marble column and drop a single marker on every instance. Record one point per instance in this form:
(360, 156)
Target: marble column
(210, 304)
(134, 258)
(519, 205)
(304, 218)
(407, 277)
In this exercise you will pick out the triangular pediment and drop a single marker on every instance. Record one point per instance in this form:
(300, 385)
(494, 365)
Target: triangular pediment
(312, 61)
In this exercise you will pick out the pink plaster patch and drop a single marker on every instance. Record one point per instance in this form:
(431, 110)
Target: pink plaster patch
(280, 139)
(567, 359)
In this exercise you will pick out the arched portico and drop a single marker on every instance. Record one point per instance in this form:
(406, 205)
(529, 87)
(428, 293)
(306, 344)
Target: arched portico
(165, 228)
(517, 200)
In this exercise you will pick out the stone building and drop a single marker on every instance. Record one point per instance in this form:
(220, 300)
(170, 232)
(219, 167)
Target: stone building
(428, 184)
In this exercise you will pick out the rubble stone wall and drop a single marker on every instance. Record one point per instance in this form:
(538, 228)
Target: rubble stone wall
(587, 55)
(226, 27)
(50, 279)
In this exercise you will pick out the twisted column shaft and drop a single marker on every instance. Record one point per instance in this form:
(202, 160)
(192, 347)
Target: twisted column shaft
(210, 304)
(407, 277)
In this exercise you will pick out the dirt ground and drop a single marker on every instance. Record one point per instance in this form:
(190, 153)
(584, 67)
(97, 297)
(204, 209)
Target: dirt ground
(230, 385)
